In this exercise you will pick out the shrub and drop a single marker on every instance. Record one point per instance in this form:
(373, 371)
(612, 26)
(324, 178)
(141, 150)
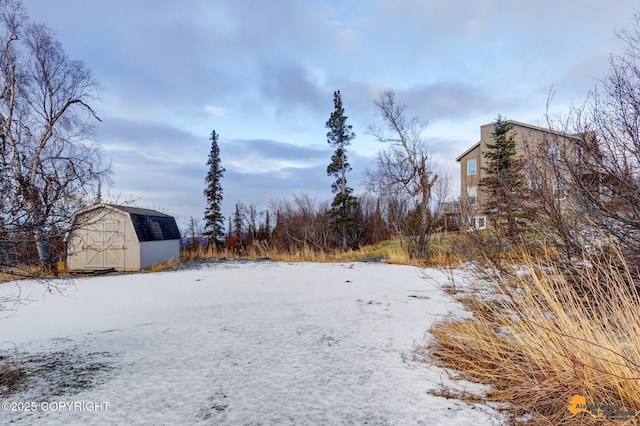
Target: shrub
(545, 335)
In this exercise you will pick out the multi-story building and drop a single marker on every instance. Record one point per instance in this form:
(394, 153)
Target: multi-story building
(546, 155)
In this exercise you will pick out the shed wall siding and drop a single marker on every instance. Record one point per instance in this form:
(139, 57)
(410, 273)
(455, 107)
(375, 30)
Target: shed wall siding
(99, 241)
(88, 249)
(105, 237)
(154, 252)
(132, 249)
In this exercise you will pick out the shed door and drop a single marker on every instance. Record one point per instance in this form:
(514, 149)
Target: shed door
(105, 245)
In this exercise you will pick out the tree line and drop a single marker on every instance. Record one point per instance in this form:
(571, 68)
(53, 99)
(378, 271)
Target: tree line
(50, 167)
(397, 205)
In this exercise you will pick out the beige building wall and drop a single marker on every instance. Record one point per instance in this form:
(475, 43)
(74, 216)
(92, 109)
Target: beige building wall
(471, 163)
(544, 153)
(103, 239)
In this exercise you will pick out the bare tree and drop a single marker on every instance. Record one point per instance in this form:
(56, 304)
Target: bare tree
(49, 164)
(552, 173)
(441, 192)
(406, 165)
(605, 163)
(301, 225)
(371, 226)
(394, 209)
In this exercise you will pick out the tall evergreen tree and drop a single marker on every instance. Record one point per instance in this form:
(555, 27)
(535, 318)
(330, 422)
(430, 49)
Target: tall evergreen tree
(503, 185)
(214, 220)
(340, 135)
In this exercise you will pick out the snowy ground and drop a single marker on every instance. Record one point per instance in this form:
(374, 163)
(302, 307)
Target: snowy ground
(246, 343)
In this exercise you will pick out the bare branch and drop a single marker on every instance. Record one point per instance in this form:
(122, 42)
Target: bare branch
(49, 166)
(405, 165)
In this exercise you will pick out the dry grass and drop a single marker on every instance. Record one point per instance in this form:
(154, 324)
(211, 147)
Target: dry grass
(61, 267)
(398, 256)
(391, 251)
(542, 339)
(23, 271)
(169, 264)
(190, 254)
(10, 370)
(33, 271)
(9, 375)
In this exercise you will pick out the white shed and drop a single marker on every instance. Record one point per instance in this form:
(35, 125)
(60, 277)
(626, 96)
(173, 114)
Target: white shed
(121, 237)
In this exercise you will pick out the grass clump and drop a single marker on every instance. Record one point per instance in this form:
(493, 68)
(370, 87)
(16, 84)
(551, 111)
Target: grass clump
(548, 334)
(163, 266)
(10, 372)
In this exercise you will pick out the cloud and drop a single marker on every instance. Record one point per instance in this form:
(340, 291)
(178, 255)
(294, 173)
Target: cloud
(292, 87)
(450, 100)
(271, 149)
(151, 139)
(215, 112)
(263, 74)
(257, 170)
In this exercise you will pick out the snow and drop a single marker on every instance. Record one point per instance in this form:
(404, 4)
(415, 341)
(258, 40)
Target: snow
(246, 343)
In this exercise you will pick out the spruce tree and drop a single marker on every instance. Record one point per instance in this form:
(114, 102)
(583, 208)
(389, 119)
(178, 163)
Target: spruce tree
(503, 185)
(214, 220)
(340, 135)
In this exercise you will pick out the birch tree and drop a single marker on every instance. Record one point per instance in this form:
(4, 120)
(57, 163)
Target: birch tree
(406, 166)
(48, 161)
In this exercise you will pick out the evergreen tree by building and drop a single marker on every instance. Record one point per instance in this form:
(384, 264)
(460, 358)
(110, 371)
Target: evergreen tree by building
(340, 135)
(503, 185)
(214, 220)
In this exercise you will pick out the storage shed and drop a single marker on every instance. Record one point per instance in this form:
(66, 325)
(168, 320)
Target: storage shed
(124, 238)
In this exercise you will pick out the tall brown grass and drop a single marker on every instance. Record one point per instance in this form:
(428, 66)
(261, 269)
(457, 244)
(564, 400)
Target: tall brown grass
(389, 251)
(306, 254)
(545, 335)
(19, 272)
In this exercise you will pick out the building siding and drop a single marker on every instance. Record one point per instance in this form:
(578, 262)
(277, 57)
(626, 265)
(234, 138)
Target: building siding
(154, 252)
(532, 143)
(105, 237)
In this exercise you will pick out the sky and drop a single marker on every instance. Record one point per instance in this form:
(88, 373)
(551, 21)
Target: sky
(262, 75)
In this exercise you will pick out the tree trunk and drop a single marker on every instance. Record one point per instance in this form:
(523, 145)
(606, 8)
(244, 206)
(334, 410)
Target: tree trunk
(344, 237)
(41, 246)
(35, 224)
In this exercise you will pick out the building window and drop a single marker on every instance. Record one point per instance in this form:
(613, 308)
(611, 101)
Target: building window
(472, 195)
(559, 189)
(478, 222)
(535, 183)
(553, 153)
(535, 188)
(471, 167)
(481, 222)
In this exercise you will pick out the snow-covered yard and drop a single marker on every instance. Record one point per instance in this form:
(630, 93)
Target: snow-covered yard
(234, 343)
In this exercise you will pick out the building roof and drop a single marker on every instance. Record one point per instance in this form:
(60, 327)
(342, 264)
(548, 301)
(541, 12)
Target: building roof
(467, 151)
(525, 125)
(136, 210)
(150, 225)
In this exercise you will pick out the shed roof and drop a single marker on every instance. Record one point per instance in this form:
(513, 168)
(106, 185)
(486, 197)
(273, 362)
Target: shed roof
(150, 225)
